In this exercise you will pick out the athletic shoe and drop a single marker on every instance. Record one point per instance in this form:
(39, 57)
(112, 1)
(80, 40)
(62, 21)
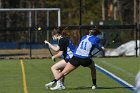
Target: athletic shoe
(49, 84)
(58, 87)
(60, 83)
(63, 87)
(94, 87)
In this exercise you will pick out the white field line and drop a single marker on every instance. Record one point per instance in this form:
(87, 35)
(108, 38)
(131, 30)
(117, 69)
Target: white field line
(116, 78)
(118, 68)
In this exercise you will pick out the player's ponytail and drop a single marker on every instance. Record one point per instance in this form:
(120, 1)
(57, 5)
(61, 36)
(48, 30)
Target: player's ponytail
(65, 34)
(94, 32)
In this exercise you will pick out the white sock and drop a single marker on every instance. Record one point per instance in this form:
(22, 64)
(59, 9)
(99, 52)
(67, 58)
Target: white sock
(59, 83)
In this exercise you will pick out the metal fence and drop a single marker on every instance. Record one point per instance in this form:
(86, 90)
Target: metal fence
(23, 32)
(29, 42)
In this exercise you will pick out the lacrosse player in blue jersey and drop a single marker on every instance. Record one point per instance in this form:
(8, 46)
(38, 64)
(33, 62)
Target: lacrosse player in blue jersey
(65, 50)
(82, 56)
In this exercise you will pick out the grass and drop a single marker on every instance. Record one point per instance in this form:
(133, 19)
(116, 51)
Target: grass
(11, 79)
(79, 81)
(124, 67)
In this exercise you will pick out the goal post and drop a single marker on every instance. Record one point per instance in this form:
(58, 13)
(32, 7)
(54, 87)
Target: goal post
(29, 10)
(31, 19)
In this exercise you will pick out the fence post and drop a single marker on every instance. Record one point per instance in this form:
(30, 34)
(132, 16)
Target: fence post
(136, 34)
(30, 24)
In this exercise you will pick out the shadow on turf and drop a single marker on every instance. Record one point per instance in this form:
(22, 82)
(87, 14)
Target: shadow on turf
(84, 87)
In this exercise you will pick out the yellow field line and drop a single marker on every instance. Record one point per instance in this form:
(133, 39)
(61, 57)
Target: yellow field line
(23, 77)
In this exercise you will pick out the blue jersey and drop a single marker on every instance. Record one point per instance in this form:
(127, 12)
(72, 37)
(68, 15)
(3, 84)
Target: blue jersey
(86, 46)
(67, 47)
(70, 50)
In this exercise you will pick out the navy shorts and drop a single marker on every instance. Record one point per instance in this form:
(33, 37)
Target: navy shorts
(67, 60)
(76, 61)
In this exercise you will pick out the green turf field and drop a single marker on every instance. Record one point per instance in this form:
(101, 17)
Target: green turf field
(37, 73)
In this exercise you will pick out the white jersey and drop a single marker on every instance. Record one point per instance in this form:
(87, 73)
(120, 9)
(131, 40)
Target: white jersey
(87, 44)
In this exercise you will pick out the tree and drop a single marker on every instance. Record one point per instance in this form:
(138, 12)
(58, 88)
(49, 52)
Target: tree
(126, 10)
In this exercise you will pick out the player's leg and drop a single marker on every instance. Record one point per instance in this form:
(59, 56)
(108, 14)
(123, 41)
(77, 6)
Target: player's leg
(93, 74)
(73, 64)
(70, 66)
(66, 70)
(56, 68)
(89, 63)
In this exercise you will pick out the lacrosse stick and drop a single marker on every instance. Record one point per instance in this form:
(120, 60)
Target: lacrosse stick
(50, 52)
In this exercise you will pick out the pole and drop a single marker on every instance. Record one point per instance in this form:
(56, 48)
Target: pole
(59, 18)
(30, 24)
(136, 40)
(139, 26)
(80, 20)
(48, 25)
(135, 11)
(103, 9)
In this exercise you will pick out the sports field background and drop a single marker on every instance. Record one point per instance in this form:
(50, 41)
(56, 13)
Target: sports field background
(37, 73)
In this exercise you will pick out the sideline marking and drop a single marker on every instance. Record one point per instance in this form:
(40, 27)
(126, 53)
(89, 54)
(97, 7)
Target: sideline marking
(116, 78)
(23, 77)
(118, 68)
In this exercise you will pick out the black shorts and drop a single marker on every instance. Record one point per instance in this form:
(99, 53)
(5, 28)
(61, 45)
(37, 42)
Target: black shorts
(76, 61)
(67, 60)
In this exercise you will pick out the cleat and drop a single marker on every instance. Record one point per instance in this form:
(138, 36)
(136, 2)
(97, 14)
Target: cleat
(94, 87)
(58, 87)
(49, 84)
(63, 87)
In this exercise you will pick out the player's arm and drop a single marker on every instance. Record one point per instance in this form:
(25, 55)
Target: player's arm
(98, 45)
(62, 47)
(58, 54)
(55, 48)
